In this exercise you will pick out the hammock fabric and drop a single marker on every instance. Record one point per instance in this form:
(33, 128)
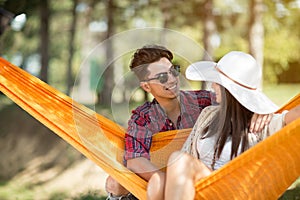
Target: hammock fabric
(263, 172)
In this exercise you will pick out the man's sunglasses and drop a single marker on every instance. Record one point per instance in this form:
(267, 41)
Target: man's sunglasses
(164, 76)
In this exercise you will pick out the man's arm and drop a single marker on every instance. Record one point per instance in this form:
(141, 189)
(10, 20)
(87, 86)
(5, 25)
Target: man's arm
(135, 136)
(258, 122)
(114, 188)
(143, 167)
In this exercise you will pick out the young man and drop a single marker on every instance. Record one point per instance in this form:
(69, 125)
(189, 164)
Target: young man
(170, 109)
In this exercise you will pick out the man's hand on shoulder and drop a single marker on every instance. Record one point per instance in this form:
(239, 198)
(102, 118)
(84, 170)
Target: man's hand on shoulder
(258, 122)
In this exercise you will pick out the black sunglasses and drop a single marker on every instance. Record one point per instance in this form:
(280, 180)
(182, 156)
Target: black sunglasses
(164, 76)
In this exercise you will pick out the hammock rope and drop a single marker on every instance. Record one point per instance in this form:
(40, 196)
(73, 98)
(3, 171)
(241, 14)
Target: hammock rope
(256, 174)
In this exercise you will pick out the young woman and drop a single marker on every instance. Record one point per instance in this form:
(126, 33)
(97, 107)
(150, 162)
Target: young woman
(221, 132)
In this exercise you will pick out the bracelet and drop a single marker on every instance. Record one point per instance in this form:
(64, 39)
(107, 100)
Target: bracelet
(111, 197)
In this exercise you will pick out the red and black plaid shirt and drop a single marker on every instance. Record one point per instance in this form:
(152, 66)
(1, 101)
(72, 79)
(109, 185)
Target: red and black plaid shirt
(150, 118)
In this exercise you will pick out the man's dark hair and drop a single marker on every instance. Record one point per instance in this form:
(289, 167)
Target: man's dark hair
(147, 55)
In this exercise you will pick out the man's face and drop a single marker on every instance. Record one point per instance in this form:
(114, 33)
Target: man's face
(167, 86)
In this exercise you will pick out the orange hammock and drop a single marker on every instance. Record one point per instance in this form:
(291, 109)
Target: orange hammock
(263, 172)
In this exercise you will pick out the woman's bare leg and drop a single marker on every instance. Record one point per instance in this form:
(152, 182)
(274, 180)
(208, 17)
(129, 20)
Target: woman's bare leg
(182, 173)
(156, 187)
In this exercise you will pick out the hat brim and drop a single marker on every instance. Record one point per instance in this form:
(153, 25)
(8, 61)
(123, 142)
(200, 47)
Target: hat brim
(253, 100)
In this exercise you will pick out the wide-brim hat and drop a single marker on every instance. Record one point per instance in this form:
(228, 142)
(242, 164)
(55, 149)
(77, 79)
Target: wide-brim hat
(240, 74)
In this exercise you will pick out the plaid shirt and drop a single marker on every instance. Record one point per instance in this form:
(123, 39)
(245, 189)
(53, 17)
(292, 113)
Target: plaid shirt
(150, 118)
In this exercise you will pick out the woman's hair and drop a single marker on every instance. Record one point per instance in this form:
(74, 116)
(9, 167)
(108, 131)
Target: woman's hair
(232, 120)
(147, 55)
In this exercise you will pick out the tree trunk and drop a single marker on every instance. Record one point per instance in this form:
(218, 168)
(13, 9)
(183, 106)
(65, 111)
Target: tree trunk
(165, 7)
(105, 97)
(256, 31)
(44, 45)
(209, 28)
(83, 91)
(71, 48)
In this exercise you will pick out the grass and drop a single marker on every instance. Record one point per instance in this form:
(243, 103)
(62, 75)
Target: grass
(292, 194)
(10, 192)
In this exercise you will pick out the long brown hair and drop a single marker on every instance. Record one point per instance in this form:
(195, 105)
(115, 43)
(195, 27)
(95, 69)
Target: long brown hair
(232, 120)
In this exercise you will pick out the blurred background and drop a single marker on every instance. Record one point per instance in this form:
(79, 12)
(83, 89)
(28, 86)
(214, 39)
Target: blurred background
(73, 46)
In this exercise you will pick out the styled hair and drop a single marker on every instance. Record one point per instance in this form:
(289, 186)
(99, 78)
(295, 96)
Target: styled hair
(232, 120)
(147, 55)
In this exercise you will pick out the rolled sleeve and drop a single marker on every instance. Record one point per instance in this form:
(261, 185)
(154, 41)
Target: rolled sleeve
(137, 140)
(277, 122)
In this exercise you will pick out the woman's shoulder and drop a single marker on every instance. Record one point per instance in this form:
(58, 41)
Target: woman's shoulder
(210, 110)
(207, 115)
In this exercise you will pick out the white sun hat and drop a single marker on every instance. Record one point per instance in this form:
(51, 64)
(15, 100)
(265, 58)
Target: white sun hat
(240, 74)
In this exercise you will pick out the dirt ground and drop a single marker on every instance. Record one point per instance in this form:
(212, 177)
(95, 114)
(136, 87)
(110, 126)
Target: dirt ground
(33, 155)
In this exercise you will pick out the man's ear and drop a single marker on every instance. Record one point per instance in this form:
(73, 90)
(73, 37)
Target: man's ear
(145, 86)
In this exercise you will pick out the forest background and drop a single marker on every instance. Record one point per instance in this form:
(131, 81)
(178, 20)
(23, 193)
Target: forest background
(73, 46)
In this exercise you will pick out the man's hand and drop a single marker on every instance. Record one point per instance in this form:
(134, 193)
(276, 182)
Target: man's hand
(258, 122)
(113, 187)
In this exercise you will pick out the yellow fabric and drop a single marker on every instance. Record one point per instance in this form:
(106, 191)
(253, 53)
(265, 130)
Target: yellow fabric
(95, 136)
(263, 172)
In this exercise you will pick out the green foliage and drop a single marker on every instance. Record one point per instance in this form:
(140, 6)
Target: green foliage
(15, 191)
(58, 196)
(282, 42)
(280, 53)
(291, 194)
(281, 29)
(9, 191)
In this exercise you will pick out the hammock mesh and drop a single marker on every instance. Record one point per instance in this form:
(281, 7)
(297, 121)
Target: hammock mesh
(263, 172)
